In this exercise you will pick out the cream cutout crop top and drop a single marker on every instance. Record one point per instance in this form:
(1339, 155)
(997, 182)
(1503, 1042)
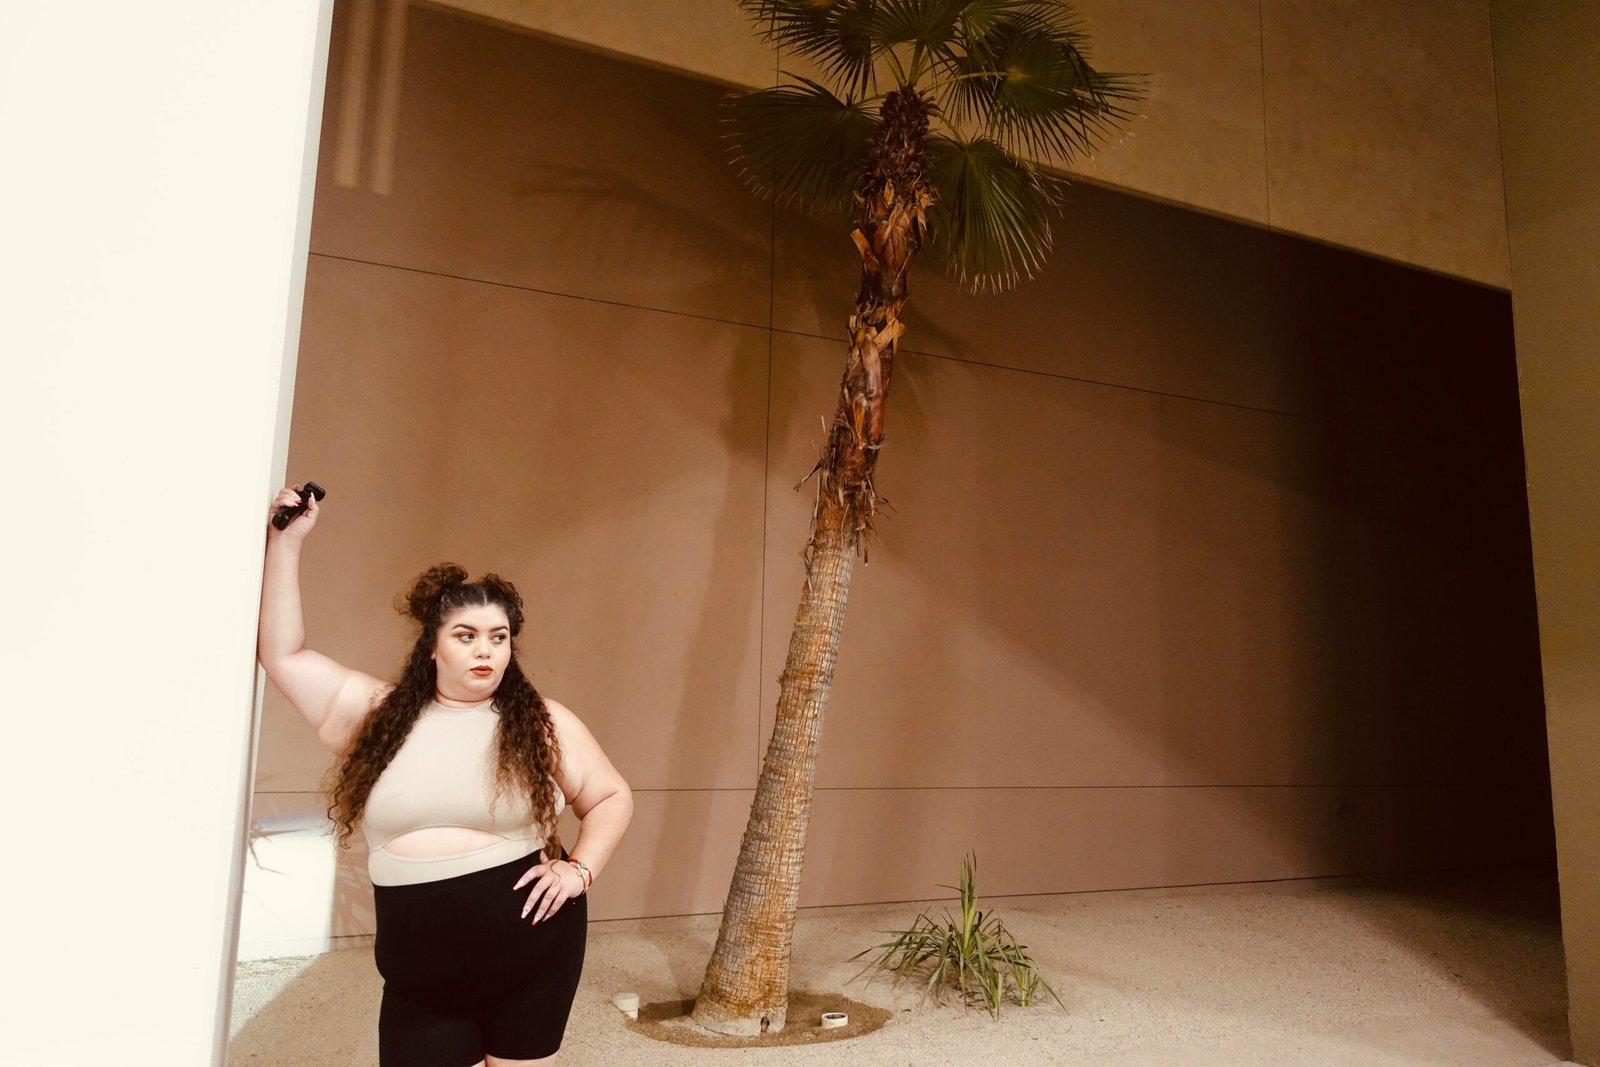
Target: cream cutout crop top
(443, 775)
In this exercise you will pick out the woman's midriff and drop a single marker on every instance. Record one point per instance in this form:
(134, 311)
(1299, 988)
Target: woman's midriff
(432, 842)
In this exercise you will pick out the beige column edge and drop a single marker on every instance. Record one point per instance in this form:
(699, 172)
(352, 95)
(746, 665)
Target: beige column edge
(157, 204)
(276, 476)
(1548, 118)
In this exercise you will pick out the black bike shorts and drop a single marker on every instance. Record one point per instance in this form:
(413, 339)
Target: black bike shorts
(465, 975)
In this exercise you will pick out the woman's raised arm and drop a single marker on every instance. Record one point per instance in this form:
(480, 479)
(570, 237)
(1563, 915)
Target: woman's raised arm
(333, 698)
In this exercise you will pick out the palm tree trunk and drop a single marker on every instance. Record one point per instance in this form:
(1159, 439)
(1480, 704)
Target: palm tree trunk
(746, 985)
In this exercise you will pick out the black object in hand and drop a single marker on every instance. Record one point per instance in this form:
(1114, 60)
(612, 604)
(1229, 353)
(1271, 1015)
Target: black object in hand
(285, 515)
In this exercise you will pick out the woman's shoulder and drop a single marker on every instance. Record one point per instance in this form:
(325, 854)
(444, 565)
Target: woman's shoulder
(568, 727)
(558, 711)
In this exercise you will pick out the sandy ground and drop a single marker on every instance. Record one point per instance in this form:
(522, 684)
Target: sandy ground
(1461, 970)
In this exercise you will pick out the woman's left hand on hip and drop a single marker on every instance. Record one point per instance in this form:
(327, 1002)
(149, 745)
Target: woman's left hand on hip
(554, 883)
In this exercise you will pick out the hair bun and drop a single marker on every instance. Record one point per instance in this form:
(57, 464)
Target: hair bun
(430, 585)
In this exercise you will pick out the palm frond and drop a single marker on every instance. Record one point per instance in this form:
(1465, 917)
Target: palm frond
(1010, 80)
(991, 224)
(1052, 102)
(1028, 84)
(836, 35)
(801, 144)
(981, 17)
(926, 23)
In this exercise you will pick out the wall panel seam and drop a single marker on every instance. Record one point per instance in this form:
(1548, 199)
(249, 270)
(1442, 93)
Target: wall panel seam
(1477, 784)
(908, 350)
(1359, 876)
(766, 470)
(1505, 183)
(1472, 784)
(772, 330)
(1266, 138)
(535, 289)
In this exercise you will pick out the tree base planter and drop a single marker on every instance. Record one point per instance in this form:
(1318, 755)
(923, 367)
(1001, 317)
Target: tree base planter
(669, 1021)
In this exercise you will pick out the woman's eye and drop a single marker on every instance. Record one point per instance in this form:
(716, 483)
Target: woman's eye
(498, 638)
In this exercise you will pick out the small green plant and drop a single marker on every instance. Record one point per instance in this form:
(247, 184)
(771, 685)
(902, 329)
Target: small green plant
(976, 955)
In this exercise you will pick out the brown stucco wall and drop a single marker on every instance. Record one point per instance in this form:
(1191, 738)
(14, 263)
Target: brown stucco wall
(1209, 557)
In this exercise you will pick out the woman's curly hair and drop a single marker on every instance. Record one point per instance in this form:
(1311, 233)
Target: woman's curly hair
(525, 737)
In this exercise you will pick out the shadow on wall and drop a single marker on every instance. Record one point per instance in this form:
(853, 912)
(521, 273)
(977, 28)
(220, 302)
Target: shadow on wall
(608, 212)
(1306, 568)
(531, 164)
(690, 837)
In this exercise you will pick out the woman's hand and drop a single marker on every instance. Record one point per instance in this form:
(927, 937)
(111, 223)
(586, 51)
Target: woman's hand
(554, 883)
(300, 528)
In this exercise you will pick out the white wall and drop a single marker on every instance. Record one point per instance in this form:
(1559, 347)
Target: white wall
(155, 199)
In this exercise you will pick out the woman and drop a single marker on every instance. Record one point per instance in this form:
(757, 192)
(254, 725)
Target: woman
(456, 774)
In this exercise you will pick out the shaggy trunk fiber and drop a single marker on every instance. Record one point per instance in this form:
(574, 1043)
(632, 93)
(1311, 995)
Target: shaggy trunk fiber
(746, 986)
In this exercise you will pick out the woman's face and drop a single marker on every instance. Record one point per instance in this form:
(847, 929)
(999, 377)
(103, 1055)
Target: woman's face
(470, 653)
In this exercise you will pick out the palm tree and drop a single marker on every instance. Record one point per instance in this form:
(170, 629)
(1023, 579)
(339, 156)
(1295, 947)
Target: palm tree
(929, 127)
